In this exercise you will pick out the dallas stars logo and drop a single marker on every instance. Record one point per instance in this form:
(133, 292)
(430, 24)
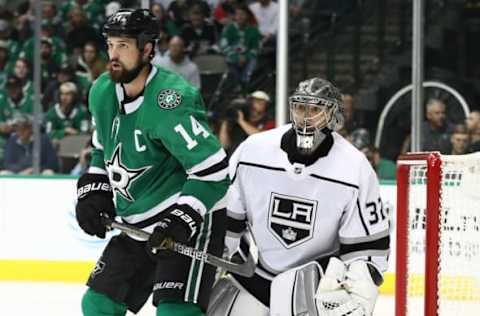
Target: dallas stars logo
(121, 177)
(169, 99)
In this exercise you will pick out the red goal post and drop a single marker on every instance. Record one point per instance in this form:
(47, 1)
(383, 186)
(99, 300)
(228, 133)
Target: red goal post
(438, 197)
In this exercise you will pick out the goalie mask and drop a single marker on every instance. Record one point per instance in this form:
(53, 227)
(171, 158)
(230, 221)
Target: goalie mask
(315, 111)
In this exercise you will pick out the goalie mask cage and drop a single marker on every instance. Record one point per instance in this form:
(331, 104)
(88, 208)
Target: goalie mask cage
(438, 237)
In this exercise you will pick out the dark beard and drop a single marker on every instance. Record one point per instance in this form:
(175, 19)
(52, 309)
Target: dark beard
(126, 76)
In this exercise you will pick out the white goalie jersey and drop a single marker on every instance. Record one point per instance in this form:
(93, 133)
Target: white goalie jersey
(299, 213)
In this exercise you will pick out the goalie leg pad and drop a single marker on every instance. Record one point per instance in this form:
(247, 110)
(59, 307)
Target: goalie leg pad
(293, 291)
(228, 298)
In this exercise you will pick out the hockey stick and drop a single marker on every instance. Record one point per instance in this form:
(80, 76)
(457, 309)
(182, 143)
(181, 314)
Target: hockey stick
(246, 269)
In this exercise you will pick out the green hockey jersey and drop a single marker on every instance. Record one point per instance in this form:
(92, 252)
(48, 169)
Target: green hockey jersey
(57, 121)
(157, 149)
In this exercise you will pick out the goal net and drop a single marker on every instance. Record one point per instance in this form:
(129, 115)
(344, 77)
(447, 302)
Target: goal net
(438, 235)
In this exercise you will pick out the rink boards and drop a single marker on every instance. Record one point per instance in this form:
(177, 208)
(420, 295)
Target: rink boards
(41, 241)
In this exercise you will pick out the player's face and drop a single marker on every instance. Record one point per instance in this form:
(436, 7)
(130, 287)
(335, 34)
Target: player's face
(309, 116)
(125, 59)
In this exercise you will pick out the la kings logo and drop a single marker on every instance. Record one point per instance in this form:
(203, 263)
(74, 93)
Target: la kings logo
(291, 219)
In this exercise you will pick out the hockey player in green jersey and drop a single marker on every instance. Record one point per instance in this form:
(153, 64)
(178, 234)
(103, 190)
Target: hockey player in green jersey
(155, 164)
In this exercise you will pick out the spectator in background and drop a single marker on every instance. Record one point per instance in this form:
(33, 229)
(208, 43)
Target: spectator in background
(385, 169)
(166, 29)
(177, 61)
(67, 117)
(199, 34)
(165, 24)
(50, 13)
(360, 138)
(94, 11)
(58, 52)
(435, 130)
(21, 70)
(65, 73)
(178, 10)
(13, 46)
(257, 118)
(244, 118)
(19, 149)
(14, 101)
(90, 64)
(240, 43)
(459, 140)
(473, 126)
(224, 13)
(6, 64)
(49, 67)
(352, 120)
(266, 14)
(80, 32)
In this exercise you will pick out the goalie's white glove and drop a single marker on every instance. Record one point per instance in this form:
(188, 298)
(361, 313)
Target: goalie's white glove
(332, 299)
(358, 282)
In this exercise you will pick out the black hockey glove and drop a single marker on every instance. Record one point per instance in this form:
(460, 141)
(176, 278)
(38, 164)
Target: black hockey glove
(95, 200)
(180, 224)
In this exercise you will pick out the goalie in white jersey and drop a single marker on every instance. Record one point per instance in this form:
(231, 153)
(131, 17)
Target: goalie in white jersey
(307, 195)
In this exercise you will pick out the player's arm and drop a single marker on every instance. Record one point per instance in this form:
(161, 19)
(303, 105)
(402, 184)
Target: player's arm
(186, 135)
(236, 209)
(94, 193)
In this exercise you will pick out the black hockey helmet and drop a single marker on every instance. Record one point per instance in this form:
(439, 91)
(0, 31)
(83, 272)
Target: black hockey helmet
(140, 24)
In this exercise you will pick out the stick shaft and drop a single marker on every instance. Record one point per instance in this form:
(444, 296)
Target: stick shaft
(244, 269)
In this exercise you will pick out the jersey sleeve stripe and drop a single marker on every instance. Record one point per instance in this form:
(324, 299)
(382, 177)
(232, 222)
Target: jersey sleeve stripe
(222, 165)
(212, 160)
(379, 244)
(194, 203)
(362, 239)
(95, 142)
(217, 176)
(96, 170)
(235, 225)
(236, 215)
(364, 253)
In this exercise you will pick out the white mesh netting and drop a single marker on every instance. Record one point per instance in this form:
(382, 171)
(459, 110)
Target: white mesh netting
(459, 253)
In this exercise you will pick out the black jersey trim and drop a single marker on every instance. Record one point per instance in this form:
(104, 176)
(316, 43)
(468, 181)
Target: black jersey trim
(379, 244)
(213, 169)
(361, 218)
(335, 181)
(256, 165)
(236, 225)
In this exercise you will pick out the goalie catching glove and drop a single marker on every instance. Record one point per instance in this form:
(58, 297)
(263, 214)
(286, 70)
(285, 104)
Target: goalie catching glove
(345, 291)
(180, 224)
(95, 200)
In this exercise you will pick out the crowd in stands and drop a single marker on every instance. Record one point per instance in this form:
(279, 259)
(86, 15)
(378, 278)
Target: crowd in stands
(243, 32)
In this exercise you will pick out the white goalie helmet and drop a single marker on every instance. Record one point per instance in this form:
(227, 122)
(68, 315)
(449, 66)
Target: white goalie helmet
(315, 110)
